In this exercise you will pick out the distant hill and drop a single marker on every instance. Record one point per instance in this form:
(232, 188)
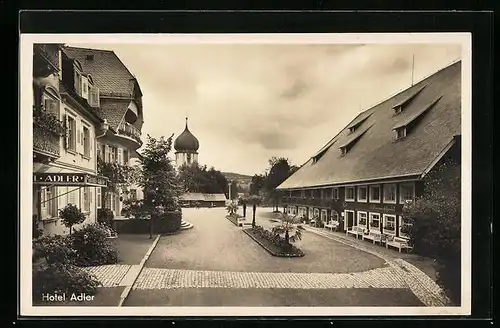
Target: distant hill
(237, 176)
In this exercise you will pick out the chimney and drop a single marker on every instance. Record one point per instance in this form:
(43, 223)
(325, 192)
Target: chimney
(90, 57)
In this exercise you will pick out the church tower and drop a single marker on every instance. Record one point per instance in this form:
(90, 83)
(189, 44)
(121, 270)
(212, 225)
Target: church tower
(186, 147)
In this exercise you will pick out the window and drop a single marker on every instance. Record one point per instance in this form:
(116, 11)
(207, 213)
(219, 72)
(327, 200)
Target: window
(349, 194)
(335, 193)
(302, 193)
(73, 196)
(390, 193)
(99, 197)
(374, 194)
(112, 154)
(389, 224)
(324, 216)
(406, 192)
(125, 157)
(312, 193)
(120, 156)
(93, 96)
(85, 88)
(316, 213)
(86, 199)
(189, 158)
(362, 220)
(48, 202)
(52, 106)
(71, 137)
(334, 215)
(400, 133)
(375, 221)
(362, 194)
(402, 224)
(78, 82)
(86, 141)
(322, 194)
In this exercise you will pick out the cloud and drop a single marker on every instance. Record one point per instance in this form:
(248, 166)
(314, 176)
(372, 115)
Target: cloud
(247, 103)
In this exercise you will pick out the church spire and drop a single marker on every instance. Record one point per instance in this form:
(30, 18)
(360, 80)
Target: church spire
(187, 123)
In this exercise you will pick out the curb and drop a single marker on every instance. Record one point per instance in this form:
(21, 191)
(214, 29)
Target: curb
(267, 249)
(128, 288)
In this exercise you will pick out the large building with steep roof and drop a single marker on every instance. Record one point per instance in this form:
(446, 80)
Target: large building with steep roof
(366, 173)
(119, 101)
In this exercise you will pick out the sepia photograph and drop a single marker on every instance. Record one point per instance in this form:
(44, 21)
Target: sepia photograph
(285, 174)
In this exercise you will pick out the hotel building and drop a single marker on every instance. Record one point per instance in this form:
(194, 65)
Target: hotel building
(366, 173)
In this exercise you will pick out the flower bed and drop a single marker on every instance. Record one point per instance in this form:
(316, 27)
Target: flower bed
(233, 218)
(272, 243)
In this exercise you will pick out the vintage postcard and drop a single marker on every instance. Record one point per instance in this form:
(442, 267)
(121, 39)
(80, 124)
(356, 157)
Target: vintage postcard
(245, 175)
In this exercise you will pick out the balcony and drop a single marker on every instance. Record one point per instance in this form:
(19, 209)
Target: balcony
(130, 132)
(45, 144)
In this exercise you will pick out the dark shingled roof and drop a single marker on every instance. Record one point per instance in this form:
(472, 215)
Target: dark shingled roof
(110, 75)
(376, 155)
(113, 110)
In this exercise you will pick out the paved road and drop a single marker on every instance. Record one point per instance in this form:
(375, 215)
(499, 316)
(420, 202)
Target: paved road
(216, 244)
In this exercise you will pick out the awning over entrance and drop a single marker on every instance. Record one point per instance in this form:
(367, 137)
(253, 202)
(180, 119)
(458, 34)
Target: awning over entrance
(50, 175)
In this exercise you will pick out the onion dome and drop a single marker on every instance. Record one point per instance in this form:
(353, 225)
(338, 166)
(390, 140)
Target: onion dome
(186, 141)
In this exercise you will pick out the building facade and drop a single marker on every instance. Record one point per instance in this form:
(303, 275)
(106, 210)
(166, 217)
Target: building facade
(65, 126)
(375, 165)
(119, 99)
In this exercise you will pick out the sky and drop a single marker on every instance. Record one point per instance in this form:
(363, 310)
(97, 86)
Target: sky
(249, 102)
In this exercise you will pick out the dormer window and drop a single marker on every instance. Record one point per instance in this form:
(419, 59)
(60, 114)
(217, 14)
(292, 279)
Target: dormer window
(400, 106)
(401, 130)
(77, 67)
(344, 149)
(354, 126)
(400, 133)
(93, 93)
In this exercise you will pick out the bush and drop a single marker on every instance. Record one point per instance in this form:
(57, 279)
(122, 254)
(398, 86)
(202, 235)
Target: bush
(105, 216)
(93, 247)
(71, 215)
(62, 278)
(54, 270)
(433, 224)
(53, 249)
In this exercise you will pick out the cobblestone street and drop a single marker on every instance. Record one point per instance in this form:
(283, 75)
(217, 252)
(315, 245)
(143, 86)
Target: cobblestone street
(215, 257)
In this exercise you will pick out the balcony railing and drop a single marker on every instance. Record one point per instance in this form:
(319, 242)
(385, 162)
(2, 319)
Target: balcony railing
(128, 130)
(44, 143)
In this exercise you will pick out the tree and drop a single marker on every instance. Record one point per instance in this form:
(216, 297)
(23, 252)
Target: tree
(234, 190)
(196, 178)
(433, 224)
(118, 176)
(257, 184)
(279, 171)
(71, 215)
(158, 179)
(288, 228)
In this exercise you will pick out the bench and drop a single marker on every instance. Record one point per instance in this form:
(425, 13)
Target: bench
(374, 236)
(332, 225)
(241, 222)
(397, 242)
(356, 231)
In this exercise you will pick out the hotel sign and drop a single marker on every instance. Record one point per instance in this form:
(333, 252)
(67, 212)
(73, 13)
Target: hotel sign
(68, 179)
(383, 208)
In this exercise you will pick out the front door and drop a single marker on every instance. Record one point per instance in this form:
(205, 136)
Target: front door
(349, 220)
